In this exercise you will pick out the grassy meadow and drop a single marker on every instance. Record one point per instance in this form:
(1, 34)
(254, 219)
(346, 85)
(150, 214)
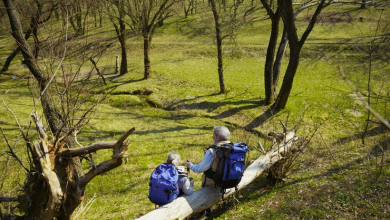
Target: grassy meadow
(336, 176)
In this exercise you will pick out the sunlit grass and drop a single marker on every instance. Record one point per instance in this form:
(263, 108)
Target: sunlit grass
(327, 180)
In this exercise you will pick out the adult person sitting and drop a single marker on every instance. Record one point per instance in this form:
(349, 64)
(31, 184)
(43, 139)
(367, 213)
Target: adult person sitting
(221, 135)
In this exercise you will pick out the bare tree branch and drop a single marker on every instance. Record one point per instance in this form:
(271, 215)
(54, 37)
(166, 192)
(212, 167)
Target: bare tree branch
(11, 151)
(313, 20)
(120, 148)
(39, 126)
(74, 152)
(361, 99)
(8, 199)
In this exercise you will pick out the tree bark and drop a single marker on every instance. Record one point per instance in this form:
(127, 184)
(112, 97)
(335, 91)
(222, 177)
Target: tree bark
(218, 38)
(123, 67)
(278, 61)
(122, 34)
(288, 79)
(120, 30)
(269, 62)
(54, 191)
(363, 4)
(206, 197)
(77, 14)
(147, 68)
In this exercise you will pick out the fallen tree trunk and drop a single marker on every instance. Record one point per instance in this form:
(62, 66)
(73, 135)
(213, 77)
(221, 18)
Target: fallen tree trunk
(206, 197)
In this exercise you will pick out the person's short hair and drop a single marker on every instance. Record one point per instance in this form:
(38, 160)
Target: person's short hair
(222, 132)
(174, 158)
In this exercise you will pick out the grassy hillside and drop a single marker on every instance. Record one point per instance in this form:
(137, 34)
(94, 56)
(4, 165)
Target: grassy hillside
(336, 177)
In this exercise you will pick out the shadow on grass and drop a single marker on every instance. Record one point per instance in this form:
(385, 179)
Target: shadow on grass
(212, 106)
(370, 133)
(117, 84)
(261, 119)
(247, 104)
(108, 134)
(129, 187)
(163, 151)
(251, 127)
(182, 104)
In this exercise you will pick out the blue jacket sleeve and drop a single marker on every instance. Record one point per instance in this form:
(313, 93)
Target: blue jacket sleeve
(206, 163)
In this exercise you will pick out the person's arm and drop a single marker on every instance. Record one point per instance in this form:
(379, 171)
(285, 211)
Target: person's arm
(188, 187)
(206, 163)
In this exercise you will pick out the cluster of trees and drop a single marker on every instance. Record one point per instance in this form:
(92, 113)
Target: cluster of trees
(143, 17)
(54, 161)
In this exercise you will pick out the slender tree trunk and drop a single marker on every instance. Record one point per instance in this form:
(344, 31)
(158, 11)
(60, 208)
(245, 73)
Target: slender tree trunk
(147, 68)
(78, 16)
(120, 30)
(288, 80)
(185, 9)
(94, 14)
(100, 17)
(219, 47)
(123, 68)
(64, 14)
(36, 40)
(75, 18)
(269, 63)
(71, 21)
(278, 62)
(363, 4)
(122, 34)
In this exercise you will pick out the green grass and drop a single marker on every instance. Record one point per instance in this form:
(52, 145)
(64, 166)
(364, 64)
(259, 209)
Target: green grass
(336, 177)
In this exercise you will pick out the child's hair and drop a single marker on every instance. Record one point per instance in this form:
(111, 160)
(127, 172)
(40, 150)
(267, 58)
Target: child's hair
(174, 158)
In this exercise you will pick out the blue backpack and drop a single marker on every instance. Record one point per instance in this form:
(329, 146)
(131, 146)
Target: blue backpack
(230, 165)
(163, 187)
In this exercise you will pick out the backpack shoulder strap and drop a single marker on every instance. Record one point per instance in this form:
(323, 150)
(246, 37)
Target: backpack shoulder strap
(212, 149)
(230, 144)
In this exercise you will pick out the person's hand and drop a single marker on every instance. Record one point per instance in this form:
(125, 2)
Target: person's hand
(191, 181)
(188, 164)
